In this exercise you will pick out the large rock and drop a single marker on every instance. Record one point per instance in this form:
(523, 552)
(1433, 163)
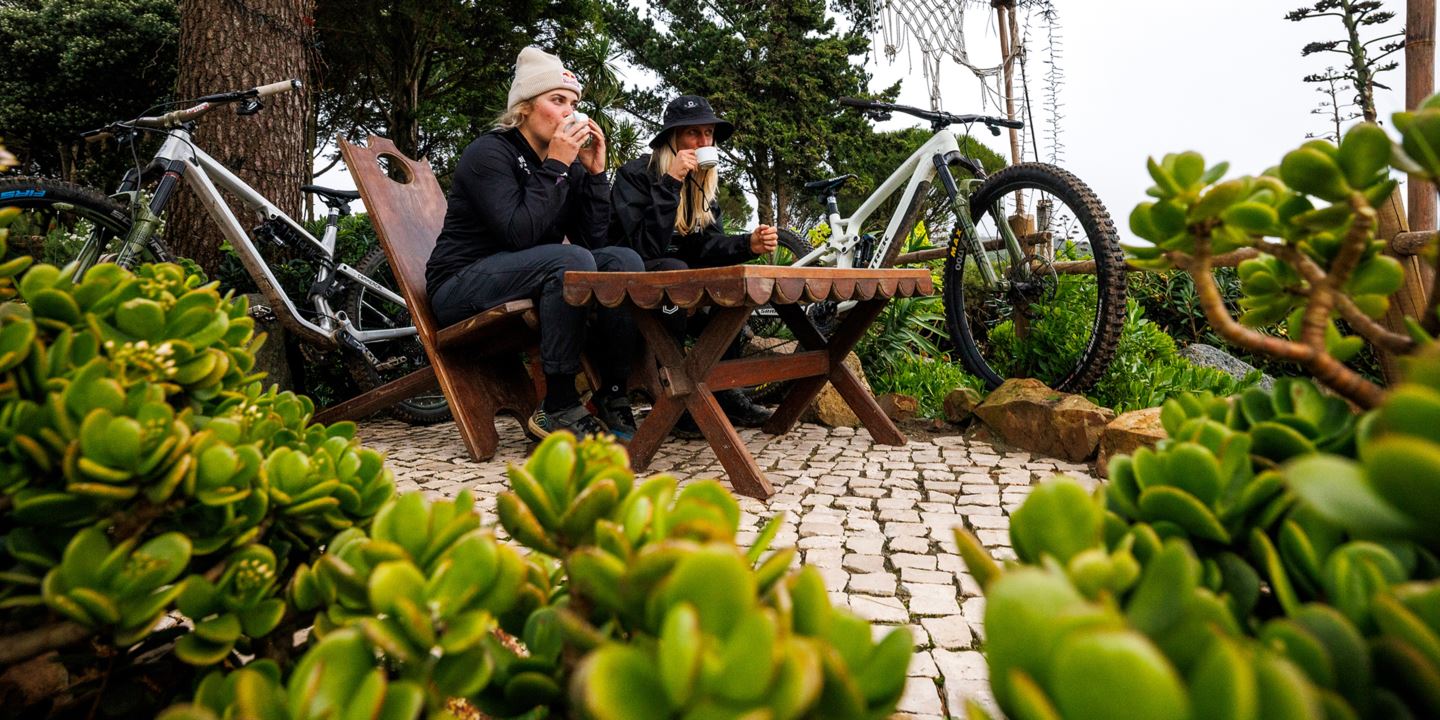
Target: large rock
(1213, 357)
(829, 409)
(271, 358)
(1027, 414)
(1128, 433)
(898, 407)
(960, 404)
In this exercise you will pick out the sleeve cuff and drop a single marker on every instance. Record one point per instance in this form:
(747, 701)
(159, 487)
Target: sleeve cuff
(669, 182)
(555, 166)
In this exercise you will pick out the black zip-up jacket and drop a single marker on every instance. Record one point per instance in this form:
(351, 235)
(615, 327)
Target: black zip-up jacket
(503, 198)
(644, 207)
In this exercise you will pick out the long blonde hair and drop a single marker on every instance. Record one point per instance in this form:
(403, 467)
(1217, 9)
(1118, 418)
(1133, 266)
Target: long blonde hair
(515, 116)
(697, 195)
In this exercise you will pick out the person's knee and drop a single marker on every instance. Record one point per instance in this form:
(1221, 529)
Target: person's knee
(619, 259)
(666, 263)
(566, 258)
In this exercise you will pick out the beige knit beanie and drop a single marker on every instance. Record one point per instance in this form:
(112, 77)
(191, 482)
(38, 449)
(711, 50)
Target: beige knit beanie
(537, 71)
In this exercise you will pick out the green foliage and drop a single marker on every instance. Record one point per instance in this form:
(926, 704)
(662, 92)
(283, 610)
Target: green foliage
(72, 65)
(1274, 556)
(416, 71)
(1147, 369)
(777, 74)
(681, 622)
(908, 328)
(928, 380)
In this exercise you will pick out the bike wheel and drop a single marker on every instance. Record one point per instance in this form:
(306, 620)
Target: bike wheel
(397, 358)
(1061, 323)
(57, 218)
(791, 247)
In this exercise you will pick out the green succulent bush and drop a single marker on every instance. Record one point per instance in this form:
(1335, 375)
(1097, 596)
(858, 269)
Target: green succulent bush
(163, 510)
(1277, 555)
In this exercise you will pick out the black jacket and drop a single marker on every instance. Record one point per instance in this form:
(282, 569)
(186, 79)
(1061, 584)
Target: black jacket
(503, 198)
(644, 207)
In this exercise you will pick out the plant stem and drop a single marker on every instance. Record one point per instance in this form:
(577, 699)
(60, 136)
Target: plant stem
(25, 645)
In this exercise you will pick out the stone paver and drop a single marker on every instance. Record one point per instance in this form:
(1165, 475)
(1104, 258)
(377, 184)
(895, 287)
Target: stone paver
(876, 521)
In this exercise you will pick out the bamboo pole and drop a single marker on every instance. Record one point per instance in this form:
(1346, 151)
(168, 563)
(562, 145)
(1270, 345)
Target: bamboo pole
(1419, 84)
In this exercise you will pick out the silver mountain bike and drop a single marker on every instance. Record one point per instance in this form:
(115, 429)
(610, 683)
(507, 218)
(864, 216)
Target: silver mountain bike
(356, 310)
(1033, 272)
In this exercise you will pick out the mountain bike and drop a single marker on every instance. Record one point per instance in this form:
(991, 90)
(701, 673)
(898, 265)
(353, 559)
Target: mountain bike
(1033, 273)
(370, 325)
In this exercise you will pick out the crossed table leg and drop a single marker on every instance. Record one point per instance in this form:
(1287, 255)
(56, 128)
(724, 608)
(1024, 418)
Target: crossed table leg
(688, 382)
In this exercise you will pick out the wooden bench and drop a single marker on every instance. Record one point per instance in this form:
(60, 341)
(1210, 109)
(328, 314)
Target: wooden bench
(476, 361)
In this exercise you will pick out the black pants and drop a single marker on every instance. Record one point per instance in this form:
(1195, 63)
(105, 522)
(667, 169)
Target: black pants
(539, 273)
(679, 323)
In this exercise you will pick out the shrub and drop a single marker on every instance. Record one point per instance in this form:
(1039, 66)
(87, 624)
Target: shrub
(159, 505)
(1276, 555)
(1147, 369)
(927, 380)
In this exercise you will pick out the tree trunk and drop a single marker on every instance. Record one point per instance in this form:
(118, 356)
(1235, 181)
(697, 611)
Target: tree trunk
(764, 190)
(233, 45)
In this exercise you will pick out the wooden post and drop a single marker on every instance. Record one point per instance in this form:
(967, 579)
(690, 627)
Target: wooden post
(1009, 50)
(1419, 84)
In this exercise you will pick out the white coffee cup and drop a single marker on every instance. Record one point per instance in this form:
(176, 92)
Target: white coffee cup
(576, 119)
(707, 157)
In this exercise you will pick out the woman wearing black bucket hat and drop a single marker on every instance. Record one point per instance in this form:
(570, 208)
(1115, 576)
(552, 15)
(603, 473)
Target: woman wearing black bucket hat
(664, 206)
(528, 202)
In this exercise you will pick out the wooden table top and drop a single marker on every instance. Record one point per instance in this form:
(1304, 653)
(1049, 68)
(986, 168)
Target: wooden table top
(744, 285)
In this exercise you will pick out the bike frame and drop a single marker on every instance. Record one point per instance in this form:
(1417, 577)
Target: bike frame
(915, 175)
(180, 158)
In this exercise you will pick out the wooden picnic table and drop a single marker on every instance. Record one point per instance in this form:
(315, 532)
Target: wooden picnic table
(687, 380)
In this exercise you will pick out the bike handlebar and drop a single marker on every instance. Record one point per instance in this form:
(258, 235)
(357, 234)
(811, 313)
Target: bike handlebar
(177, 118)
(934, 116)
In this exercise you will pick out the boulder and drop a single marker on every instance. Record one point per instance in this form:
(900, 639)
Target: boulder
(1213, 357)
(1027, 414)
(271, 358)
(960, 404)
(829, 409)
(1128, 433)
(898, 407)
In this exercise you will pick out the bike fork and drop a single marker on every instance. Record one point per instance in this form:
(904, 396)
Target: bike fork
(965, 235)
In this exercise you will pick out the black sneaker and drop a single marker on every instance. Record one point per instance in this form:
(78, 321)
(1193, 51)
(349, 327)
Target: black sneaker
(615, 412)
(741, 410)
(576, 419)
(686, 429)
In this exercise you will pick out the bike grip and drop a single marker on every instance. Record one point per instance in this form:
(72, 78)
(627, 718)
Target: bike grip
(278, 87)
(855, 102)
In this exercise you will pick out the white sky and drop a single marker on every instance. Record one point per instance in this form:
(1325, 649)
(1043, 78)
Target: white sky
(1148, 77)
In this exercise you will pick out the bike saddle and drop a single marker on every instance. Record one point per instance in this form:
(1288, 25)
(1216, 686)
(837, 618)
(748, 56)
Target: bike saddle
(332, 197)
(826, 187)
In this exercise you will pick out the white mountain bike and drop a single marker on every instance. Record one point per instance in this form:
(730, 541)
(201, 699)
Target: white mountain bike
(1034, 278)
(371, 323)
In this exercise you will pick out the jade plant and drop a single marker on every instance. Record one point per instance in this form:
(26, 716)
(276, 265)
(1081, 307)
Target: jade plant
(1305, 235)
(152, 493)
(1276, 555)
(653, 613)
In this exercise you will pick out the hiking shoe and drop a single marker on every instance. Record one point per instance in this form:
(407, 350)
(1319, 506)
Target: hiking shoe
(576, 419)
(615, 412)
(686, 429)
(741, 410)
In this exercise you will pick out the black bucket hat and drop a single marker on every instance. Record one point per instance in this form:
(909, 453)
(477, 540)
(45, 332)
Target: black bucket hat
(688, 110)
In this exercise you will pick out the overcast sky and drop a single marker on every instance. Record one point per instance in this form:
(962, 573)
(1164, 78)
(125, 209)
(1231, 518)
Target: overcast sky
(1149, 77)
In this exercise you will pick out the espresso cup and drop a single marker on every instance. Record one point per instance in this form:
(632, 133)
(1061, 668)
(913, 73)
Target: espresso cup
(575, 119)
(707, 157)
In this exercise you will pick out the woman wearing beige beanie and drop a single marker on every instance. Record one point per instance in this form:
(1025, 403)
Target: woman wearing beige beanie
(519, 193)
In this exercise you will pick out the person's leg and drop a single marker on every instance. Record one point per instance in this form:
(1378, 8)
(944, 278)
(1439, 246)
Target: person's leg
(612, 347)
(536, 273)
(675, 319)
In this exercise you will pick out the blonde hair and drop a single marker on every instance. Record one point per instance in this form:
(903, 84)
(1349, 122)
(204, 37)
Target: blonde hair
(515, 116)
(697, 195)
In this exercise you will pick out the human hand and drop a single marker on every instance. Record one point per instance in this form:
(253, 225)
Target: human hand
(594, 156)
(565, 144)
(764, 239)
(683, 164)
